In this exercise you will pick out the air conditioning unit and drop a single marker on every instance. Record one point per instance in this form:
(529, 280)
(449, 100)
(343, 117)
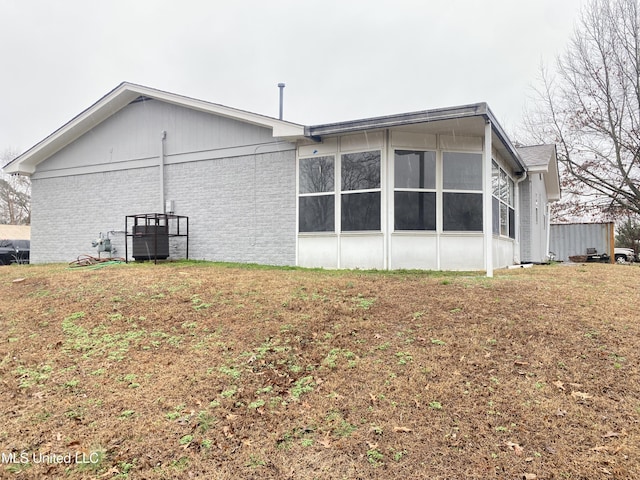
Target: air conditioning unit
(150, 242)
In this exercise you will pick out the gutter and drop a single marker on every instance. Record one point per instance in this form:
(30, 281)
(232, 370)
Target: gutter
(396, 120)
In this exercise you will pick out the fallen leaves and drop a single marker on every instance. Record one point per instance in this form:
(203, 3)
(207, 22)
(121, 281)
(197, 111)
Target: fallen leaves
(112, 471)
(607, 448)
(580, 395)
(517, 449)
(402, 429)
(325, 442)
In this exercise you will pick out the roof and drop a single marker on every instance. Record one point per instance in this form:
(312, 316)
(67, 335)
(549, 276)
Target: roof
(537, 156)
(120, 97)
(449, 116)
(15, 232)
(543, 159)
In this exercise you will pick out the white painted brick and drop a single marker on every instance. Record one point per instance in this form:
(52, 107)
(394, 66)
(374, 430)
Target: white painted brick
(240, 209)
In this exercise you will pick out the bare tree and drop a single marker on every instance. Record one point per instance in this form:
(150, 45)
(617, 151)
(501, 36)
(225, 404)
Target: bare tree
(589, 106)
(15, 195)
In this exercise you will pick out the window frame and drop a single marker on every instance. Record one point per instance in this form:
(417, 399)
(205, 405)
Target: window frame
(420, 190)
(475, 191)
(341, 193)
(305, 195)
(504, 198)
(338, 193)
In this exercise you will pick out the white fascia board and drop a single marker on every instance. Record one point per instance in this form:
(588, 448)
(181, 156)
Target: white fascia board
(538, 169)
(551, 177)
(552, 183)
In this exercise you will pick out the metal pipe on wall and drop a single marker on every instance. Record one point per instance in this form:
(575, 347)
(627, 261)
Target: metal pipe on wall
(281, 87)
(161, 166)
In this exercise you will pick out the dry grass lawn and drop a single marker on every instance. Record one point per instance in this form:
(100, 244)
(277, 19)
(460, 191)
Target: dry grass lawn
(197, 370)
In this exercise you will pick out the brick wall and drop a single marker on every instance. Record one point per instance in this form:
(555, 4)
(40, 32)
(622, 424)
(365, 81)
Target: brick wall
(240, 209)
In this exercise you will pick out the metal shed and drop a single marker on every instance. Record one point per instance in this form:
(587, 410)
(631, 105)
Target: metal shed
(575, 238)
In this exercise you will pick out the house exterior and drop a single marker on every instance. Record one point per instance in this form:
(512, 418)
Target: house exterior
(538, 189)
(437, 189)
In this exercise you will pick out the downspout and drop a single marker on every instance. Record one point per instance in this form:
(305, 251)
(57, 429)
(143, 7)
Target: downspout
(517, 207)
(488, 208)
(161, 165)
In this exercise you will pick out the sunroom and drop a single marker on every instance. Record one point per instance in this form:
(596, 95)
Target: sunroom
(433, 190)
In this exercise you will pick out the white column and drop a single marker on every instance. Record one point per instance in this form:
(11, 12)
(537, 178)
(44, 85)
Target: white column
(486, 195)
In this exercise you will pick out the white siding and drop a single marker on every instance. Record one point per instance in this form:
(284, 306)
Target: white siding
(131, 138)
(534, 221)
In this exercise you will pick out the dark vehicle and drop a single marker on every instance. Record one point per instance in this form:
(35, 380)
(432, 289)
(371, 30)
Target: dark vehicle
(14, 251)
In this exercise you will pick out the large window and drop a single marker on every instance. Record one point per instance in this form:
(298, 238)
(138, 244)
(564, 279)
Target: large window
(360, 191)
(502, 202)
(317, 198)
(415, 190)
(512, 211)
(344, 193)
(462, 191)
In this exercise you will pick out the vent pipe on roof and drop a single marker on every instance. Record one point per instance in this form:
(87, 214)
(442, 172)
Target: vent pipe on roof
(281, 87)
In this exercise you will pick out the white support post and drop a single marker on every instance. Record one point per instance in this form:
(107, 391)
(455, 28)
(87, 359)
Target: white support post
(486, 195)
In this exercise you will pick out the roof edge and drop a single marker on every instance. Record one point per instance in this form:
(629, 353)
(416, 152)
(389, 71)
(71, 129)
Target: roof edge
(504, 138)
(394, 120)
(425, 116)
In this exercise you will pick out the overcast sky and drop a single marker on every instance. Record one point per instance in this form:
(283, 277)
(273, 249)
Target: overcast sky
(340, 59)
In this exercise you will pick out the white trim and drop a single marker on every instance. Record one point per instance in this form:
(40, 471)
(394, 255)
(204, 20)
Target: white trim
(337, 210)
(389, 205)
(297, 222)
(488, 201)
